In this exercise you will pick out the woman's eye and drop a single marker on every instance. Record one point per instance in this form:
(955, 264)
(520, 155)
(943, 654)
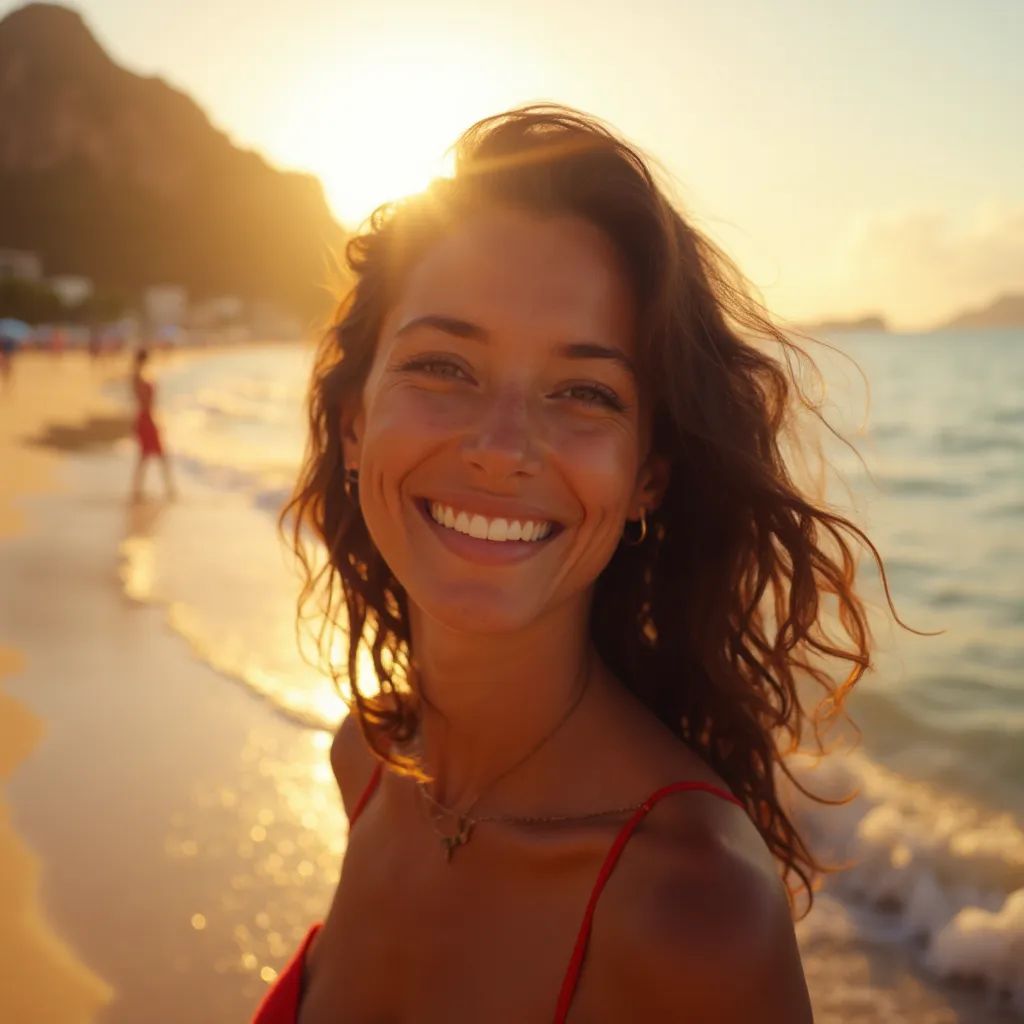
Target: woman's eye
(591, 394)
(436, 367)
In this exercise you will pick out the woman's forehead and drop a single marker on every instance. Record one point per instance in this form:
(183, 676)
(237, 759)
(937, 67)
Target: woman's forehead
(514, 270)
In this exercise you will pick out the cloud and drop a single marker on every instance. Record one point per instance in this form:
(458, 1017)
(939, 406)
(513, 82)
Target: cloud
(922, 266)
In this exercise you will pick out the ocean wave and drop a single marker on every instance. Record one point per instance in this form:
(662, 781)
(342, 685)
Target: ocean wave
(948, 732)
(292, 703)
(943, 875)
(264, 488)
(258, 403)
(959, 441)
(301, 705)
(1012, 416)
(271, 499)
(927, 487)
(243, 626)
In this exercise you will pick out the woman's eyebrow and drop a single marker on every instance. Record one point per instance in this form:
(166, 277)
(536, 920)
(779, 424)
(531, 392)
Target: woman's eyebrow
(448, 324)
(464, 329)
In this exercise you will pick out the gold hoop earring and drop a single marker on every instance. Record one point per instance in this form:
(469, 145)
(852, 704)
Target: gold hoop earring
(351, 483)
(643, 532)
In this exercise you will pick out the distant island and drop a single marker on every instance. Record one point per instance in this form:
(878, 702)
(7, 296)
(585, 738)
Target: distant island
(864, 323)
(1004, 311)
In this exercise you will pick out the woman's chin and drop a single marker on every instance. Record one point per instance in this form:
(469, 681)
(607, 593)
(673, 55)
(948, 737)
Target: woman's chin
(478, 609)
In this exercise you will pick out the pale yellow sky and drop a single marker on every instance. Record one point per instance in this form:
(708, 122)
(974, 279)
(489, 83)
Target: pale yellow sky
(852, 158)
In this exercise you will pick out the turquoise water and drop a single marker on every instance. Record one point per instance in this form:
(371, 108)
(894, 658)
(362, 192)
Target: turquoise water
(942, 495)
(937, 832)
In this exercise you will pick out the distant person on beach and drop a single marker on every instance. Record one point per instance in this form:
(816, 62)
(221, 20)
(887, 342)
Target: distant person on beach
(8, 346)
(95, 343)
(545, 466)
(146, 431)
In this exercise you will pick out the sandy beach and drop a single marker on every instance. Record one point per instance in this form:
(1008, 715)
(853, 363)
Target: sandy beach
(154, 816)
(41, 979)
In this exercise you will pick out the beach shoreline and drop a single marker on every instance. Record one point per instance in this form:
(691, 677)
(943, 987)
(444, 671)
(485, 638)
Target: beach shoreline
(42, 979)
(147, 883)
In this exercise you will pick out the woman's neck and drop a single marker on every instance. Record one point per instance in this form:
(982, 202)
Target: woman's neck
(487, 699)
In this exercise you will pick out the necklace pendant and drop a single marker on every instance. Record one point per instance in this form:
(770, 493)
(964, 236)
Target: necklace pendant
(450, 843)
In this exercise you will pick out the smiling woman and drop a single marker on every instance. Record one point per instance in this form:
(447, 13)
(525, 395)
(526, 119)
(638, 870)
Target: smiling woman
(545, 464)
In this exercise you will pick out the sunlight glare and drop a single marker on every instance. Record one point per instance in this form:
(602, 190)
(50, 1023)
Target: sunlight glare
(378, 128)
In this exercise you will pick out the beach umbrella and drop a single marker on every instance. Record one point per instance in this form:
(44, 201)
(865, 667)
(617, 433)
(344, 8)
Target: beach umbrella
(17, 330)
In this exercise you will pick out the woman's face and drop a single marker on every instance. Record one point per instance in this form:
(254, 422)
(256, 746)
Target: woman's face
(501, 401)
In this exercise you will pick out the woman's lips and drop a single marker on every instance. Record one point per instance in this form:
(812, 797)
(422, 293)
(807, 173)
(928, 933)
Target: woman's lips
(479, 550)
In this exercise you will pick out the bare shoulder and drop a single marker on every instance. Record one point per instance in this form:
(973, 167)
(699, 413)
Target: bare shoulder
(704, 932)
(352, 761)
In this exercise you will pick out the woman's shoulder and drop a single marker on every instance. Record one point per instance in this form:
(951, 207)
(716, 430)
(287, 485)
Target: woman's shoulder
(707, 929)
(696, 822)
(353, 761)
(695, 911)
(697, 900)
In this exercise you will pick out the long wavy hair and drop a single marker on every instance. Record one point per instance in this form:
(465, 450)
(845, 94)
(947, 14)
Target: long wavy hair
(744, 584)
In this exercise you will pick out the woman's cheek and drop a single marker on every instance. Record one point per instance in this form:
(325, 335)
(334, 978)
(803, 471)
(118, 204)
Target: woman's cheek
(423, 412)
(601, 458)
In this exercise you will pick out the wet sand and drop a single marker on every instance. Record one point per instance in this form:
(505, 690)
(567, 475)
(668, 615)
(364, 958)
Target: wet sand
(165, 837)
(41, 978)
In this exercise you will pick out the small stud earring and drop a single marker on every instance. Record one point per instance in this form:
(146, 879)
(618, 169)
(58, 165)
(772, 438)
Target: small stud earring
(351, 483)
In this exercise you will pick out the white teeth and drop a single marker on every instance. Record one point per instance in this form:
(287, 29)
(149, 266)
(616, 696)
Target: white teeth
(497, 529)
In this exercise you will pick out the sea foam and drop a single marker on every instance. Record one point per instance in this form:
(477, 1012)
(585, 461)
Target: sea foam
(944, 875)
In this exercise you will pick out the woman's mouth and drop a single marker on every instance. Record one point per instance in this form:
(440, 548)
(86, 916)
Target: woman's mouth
(490, 539)
(484, 528)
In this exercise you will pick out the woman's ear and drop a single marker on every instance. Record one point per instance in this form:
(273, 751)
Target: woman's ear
(652, 482)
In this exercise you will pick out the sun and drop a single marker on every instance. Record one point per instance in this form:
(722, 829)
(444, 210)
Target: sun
(379, 128)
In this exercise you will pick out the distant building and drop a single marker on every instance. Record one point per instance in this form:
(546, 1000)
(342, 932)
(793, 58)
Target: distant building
(20, 263)
(270, 322)
(217, 312)
(71, 289)
(165, 305)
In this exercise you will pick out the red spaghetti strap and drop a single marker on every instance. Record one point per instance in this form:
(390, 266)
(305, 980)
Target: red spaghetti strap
(576, 962)
(366, 794)
(280, 1002)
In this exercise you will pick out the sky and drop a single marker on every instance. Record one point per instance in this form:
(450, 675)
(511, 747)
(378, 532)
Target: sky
(853, 157)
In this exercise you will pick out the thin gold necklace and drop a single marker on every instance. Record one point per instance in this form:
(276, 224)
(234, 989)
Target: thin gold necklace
(464, 823)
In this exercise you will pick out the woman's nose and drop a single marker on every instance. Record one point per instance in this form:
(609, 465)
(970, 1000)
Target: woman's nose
(503, 442)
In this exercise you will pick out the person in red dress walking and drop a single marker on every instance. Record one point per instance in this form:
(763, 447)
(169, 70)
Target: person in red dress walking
(146, 430)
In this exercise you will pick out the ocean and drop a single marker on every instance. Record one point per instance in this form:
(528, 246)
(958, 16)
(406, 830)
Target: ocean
(936, 830)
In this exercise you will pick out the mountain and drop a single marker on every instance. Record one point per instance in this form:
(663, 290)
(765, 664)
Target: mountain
(122, 178)
(1004, 311)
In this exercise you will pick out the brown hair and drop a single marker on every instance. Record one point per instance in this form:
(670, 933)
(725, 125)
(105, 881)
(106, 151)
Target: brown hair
(710, 621)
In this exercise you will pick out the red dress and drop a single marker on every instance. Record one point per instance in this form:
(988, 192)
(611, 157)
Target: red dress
(280, 1003)
(145, 427)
